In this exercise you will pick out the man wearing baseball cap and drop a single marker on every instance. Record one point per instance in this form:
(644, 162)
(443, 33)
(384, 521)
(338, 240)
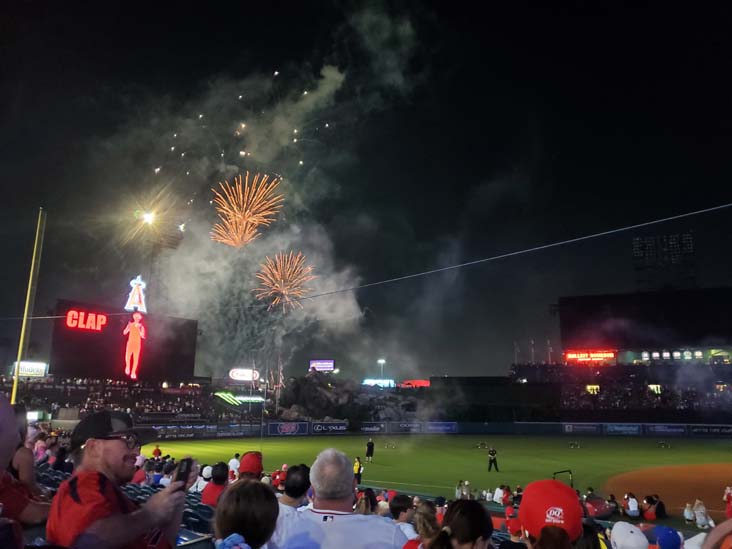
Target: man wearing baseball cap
(627, 536)
(668, 538)
(90, 510)
(250, 466)
(550, 509)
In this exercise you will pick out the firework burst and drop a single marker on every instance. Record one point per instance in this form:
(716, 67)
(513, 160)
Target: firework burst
(283, 280)
(244, 207)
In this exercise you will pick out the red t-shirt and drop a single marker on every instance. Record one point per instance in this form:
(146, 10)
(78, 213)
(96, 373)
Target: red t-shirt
(13, 495)
(276, 478)
(412, 544)
(139, 476)
(211, 493)
(157, 452)
(82, 500)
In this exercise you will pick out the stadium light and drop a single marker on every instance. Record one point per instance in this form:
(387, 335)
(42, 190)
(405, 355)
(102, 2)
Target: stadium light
(148, 218)
(381, 363)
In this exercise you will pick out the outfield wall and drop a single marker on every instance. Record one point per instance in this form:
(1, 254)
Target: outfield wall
(376, 428)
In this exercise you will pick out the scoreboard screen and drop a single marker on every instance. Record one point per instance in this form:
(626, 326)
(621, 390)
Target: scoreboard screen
(102, 342)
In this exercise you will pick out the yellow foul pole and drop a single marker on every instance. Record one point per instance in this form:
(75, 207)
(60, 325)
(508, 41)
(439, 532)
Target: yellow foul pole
(30, 296)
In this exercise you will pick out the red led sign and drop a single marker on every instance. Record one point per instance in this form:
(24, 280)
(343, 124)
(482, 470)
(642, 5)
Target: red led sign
(84, 320)
(602, 355)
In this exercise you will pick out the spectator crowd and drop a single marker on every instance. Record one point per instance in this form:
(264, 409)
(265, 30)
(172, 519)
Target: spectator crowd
(92, 488)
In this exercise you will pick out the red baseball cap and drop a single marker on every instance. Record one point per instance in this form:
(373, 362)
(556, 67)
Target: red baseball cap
(251, 463)
(513, 525)
(550, 503)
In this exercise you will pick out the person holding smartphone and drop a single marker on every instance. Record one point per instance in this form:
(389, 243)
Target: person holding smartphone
(90, 509)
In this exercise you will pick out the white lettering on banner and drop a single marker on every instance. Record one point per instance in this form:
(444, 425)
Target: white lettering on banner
(329, 427)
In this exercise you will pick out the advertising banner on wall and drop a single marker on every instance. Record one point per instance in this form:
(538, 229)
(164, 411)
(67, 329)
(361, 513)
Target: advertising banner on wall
(328, 427)
(229, 430)
(405, 427)
(666, 430)
(707, 430)
(446, 427)
(582, 428)
(372, 427)
(625, 429)
(287, 428)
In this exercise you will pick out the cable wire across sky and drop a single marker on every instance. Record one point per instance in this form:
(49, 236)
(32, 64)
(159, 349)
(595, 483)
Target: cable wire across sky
(479, 261)
(525, 251)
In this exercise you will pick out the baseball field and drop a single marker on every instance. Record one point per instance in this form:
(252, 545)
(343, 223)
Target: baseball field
(688, 469)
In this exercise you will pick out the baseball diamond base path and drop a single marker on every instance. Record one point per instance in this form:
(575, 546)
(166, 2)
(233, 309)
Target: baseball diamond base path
(677, 485)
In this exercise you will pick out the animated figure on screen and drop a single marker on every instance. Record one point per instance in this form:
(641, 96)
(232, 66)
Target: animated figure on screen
(135, 333)
(136, 299)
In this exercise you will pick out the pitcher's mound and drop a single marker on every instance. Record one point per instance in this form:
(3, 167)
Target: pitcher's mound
(677, 485)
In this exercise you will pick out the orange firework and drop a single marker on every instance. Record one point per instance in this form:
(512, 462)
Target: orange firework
(244, 207)
(283, 280)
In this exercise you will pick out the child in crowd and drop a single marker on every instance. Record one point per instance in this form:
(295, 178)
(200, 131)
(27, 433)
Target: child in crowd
(246, 515)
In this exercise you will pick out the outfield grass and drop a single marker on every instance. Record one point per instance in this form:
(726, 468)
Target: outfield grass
(433, 464)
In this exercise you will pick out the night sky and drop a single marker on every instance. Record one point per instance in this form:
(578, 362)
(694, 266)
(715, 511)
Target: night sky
(452, 134)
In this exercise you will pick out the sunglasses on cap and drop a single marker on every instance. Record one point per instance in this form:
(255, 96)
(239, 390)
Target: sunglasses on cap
(130, 440)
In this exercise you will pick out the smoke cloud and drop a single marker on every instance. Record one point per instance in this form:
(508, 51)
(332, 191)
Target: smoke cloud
(297, 124)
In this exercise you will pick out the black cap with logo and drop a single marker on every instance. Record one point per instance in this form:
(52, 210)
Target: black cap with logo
(109, 424)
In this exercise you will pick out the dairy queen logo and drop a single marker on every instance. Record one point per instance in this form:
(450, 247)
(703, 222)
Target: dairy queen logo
(555, 515)
(287, 428)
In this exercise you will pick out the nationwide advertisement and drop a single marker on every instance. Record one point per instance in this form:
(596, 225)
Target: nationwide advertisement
(287, 428)
(447, 427)
(372, 427)
(329, 427)
(405, 427)
(626, 429)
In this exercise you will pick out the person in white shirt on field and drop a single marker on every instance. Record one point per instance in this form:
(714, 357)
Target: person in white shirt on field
(402, 510)
(331, 522)
(234, 464)
(294, 497)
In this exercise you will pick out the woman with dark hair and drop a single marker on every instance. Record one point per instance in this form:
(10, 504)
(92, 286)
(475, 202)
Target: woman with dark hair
(366, 504)
(467, 524)
(246, 514)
